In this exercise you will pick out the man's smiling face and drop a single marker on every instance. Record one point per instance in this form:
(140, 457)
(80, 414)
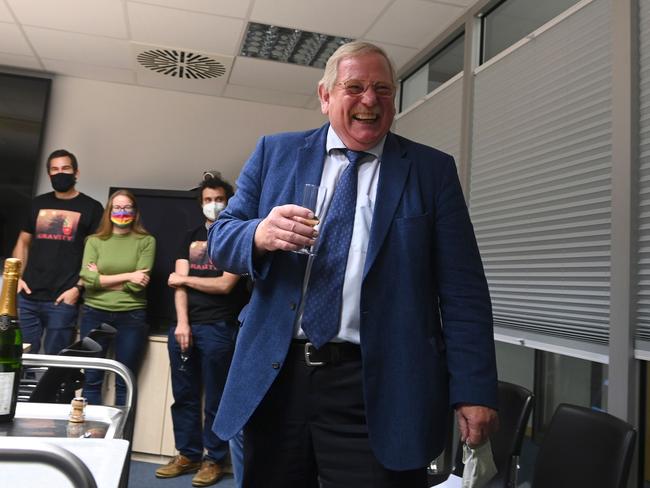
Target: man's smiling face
(362, 120)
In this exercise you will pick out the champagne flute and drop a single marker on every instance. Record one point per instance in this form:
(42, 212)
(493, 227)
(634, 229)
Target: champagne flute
(185, 356)
(314, 200)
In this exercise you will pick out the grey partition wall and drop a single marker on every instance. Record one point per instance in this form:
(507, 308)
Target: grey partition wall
(436, 120)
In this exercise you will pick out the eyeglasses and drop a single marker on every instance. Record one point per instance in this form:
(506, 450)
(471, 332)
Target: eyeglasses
(356, 88)
(126, 208)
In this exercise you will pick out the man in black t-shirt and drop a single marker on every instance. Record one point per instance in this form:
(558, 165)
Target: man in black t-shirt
(51, 245)
(201, 344)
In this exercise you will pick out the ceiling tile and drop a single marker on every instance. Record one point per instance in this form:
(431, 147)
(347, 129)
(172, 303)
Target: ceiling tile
(227, 8)
(5, 15)
(263, 95)
(425, 20)
(170, 27)
(97, 17)
(12, 40)
(259, 73)
(80, 48)
(320, 16)
(88, 71)
(169, 80)
(398, 55)
(29, 62)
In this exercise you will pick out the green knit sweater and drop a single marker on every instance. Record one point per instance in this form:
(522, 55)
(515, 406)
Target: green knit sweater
(120, 253)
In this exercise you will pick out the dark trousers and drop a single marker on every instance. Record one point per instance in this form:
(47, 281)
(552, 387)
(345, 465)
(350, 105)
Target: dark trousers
(130, 344)
(57, 321)
(204, 371)
(310, 431)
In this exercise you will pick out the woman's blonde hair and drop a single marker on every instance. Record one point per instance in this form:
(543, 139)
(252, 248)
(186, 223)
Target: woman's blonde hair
(105, 229)
(351, 50)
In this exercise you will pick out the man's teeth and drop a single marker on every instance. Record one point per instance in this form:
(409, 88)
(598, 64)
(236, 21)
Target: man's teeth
(364, 116)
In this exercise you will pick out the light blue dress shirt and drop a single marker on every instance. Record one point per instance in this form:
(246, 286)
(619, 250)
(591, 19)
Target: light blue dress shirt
(368, 177)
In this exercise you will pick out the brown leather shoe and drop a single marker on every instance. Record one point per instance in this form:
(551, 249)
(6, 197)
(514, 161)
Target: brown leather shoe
(209, 474)
(177, 466)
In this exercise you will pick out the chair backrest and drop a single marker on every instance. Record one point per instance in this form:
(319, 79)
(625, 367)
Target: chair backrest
(102, 331)
(515, 406)
(85, 347)
(584, 447)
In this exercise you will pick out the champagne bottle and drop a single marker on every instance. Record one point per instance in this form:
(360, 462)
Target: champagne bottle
(11, 341)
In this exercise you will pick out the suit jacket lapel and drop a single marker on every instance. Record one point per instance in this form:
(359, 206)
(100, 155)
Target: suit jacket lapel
(309, 161)
(392, 177)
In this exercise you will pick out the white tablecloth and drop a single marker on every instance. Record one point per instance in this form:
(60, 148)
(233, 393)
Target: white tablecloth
(104, 458)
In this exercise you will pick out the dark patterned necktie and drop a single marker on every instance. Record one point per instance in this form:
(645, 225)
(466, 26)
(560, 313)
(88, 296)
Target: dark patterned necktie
(322, 311)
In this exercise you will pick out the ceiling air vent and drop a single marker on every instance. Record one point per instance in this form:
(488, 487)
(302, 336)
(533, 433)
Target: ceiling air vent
(181, 64)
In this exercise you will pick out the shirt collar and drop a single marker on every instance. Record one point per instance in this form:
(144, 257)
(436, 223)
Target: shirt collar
(335, 142)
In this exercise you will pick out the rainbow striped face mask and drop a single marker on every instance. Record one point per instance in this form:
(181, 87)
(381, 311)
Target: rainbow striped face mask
(122, 218)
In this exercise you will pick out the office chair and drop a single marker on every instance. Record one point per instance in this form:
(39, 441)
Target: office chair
(515, 405)
(584, 447)
(58, 385)
(39, 384)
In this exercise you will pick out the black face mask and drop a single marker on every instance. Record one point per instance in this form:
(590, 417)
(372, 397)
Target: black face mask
(62, 182)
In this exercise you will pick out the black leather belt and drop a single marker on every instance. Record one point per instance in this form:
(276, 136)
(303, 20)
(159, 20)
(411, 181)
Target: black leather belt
(330, 353)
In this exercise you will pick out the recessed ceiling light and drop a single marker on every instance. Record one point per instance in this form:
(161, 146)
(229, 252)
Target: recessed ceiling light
(289, 45)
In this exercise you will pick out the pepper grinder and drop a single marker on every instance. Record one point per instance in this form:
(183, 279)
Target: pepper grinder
(77, 414)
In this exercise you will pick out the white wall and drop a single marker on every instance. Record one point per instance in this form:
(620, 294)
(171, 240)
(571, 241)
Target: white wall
(130, 136)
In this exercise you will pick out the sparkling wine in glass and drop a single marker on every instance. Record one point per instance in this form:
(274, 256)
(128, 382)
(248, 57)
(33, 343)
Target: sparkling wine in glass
(314, 200)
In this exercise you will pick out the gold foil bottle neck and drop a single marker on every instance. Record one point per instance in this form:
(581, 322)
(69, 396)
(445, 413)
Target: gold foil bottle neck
(10, 278)
(12, 268)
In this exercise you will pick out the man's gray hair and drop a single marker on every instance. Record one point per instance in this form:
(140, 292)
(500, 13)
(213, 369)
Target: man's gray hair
(351, 50)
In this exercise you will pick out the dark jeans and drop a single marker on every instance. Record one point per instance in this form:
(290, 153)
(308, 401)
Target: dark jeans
(206, 369)
(56, 320)
(310, 431)
(130, 342)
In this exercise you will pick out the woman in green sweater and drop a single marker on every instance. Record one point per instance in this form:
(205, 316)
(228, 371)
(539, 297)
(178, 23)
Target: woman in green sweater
(115, 269)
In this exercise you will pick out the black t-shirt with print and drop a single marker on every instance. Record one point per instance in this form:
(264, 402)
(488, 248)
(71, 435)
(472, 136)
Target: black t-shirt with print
(59, 229)
(205, 308)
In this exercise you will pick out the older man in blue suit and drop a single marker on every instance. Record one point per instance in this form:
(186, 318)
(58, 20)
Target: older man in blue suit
(397, 323)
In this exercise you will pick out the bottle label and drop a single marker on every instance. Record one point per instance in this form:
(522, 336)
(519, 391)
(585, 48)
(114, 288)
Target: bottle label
(7, 323)
(6, 391)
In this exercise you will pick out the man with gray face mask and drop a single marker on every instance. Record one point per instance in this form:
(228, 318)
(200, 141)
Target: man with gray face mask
(51, 245)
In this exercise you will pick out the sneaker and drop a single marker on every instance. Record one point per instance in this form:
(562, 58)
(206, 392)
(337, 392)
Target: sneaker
(209, 474)
(177, 466)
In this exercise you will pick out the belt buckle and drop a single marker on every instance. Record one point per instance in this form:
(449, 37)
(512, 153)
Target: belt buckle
(308, 354)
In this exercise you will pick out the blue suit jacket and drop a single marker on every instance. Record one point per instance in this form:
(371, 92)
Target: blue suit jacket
(426, 319)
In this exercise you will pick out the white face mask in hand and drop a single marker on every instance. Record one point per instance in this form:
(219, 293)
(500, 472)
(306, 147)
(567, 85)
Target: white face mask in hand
(479, 465)
(212, 210)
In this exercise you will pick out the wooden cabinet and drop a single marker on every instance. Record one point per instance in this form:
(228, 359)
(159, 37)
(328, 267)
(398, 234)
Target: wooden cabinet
(153, 424)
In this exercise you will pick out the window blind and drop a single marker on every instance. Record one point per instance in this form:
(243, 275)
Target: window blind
(643, 223)
(540, 179)
(436, 121)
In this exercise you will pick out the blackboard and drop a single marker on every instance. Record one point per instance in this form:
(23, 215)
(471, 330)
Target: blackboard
(167, 215)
